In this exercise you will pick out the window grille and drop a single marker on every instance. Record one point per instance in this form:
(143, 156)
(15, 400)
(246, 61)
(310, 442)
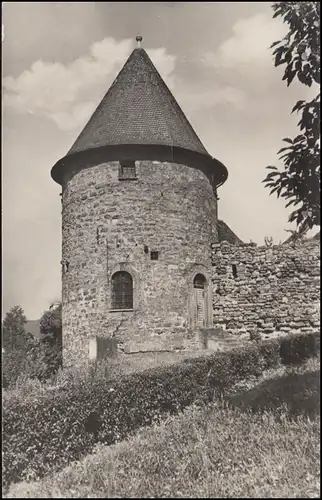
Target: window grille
(154, 255)
(122, 290)
(199, 281)
(127, 170)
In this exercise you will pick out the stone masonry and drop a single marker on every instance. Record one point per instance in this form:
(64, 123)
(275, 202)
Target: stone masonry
(158, 224)
(139, 211)
(266, 289)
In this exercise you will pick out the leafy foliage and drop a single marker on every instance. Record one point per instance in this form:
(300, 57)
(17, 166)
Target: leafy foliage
(17, 347)
(24, 356)
(302, 347)
(210, 452)
(299, 51)
(13, 330)
(21, 366)
(51, 337)
(51, 324)
(45, 431)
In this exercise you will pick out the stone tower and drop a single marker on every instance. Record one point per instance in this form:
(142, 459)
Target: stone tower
(138, 219)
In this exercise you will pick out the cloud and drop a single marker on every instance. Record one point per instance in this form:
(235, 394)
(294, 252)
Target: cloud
(165, 63)
(249, 45)
(193, 101)
(68, 94)
(243, 65)
(245, 59)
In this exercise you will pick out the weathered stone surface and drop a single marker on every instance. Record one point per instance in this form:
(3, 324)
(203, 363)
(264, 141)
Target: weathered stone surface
(286, 299)
(171, 209)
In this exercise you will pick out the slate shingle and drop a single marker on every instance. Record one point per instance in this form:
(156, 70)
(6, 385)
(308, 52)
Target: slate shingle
(138, 109)
(226, 234)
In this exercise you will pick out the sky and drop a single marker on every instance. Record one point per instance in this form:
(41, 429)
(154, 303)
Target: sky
(58, 61)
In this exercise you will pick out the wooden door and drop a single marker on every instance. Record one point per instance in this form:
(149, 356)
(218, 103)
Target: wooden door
(199, 307)
(199, 301)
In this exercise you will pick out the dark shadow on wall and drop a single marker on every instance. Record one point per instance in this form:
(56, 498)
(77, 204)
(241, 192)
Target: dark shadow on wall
(295, 394)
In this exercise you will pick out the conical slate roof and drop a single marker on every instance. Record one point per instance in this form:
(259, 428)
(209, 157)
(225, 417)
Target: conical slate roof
(139, 119)
(138, 109)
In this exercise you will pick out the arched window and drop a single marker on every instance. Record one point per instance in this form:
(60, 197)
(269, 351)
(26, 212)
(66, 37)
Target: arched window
(122, 290)
(199, 281)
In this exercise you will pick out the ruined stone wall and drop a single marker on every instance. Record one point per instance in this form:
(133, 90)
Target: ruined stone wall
(106, 225)
(274, 289)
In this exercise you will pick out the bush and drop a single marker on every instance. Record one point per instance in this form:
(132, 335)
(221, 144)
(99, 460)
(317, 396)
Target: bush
(19, 365)
(298, 348)
(37, 361)
(210, 452)
(270, 352)
(47, 430)
(297, 392)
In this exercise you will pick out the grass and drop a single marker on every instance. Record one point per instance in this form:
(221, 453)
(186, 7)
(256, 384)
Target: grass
(110, 368)
(261, 443)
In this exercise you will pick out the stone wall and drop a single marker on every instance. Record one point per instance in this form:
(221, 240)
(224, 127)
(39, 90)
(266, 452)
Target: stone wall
(110, 225)
(266, 289)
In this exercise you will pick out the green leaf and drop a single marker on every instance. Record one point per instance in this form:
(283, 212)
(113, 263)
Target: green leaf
(291, 202)
(270, 175)
(275, 43)
(273, 190)
(278, 56)
(282, 149)
(290, 77)
(299, 51)
(298, 105)
(303, 78)
(298, 64)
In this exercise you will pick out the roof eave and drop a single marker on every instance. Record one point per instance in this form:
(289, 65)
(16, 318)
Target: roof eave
(214, 169)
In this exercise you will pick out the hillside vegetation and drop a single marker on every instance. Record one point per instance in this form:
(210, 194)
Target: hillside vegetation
(224, 450)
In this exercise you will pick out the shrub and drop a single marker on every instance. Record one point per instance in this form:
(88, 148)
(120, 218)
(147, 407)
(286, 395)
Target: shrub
(296, 392)
(51, 338)
(38, 361)
(270, 352)
(54, 427)
(20, 364)
(210, 452)
(296, 349)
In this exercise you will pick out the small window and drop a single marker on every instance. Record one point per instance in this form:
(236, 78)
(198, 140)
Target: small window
(199, 281)
(127, 170)
(215, 193)
(122, 290)
(154, 255)
(234, 269)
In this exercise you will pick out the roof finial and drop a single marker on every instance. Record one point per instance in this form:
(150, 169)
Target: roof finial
(139, 40)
